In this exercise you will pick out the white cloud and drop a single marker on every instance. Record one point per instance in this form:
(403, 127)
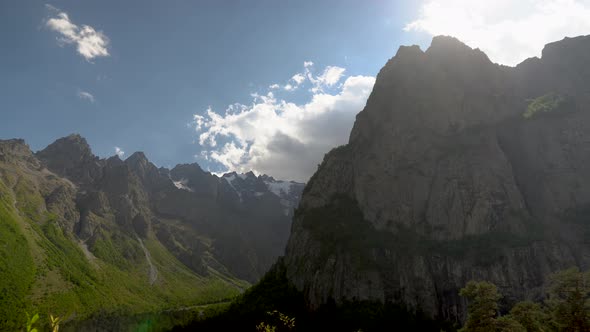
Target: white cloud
(331, 75)
(295, 82)
(298, 78)
(86, 96)
(508, 31)
(327, 79)
(89, 42)
(119, 152)
(282, 138)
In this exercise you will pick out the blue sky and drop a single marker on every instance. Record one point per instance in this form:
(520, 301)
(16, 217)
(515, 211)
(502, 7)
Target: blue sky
(163, 64)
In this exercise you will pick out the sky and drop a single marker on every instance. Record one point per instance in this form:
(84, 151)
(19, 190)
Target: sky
(262, 85)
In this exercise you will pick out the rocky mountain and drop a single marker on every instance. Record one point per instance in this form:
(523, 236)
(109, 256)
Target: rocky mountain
(456, 169)
(109, 234)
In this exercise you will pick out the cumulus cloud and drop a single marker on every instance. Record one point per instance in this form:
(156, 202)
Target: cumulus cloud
(89, 42)
(508, 31)
(84, 95)
(119, 152)
(283, 138)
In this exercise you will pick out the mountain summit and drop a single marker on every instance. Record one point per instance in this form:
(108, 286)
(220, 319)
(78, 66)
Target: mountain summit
(456, 169)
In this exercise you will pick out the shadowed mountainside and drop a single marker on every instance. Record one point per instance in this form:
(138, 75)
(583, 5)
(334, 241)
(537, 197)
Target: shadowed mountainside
(456, 169)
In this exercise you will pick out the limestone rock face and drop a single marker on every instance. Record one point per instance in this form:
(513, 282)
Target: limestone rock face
(457, 169)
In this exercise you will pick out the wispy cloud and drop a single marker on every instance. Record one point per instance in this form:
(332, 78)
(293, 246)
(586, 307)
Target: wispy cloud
(89, 42)
(508, 31)
(119, 152)
(330, 77)
(84, 95)
(283, 138)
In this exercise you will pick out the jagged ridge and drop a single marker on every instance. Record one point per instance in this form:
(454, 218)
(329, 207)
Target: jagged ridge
(112, 234)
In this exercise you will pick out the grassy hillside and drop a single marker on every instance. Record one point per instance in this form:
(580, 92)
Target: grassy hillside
(46, 270)
(17, 268)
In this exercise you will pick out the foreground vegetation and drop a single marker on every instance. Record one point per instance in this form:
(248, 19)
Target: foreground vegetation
(566, 308)
(275, 305)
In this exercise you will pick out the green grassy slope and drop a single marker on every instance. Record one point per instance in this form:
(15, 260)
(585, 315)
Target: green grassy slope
(47, 271)
(17, 268)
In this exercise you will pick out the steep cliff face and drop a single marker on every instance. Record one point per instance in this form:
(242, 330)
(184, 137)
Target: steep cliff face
(457, 169)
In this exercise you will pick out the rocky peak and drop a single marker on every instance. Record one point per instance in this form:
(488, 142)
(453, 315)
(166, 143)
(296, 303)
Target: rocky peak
(148, 174)
(191, 177)
(447, 46)
(568, 51)
(72, 157)
(73, 146)
(230, 175)
(137, 157)
(164, 171)
(114, 161)
(563, 68)
(186, 169)
(450, 55)
(139, 163)
(248, 186)
(245, 183)
(16, 150)
(269, 178)
(15, 147)
(439, 91)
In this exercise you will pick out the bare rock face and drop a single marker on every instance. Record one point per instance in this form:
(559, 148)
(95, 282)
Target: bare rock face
(457, 169)
(71, 157)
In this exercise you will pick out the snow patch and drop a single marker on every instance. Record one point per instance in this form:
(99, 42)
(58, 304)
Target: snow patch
(279, 188)
(230, 179)
(182, 184)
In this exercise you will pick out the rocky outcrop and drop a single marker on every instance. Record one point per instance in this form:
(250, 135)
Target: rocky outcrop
(71, 157)
(457, 169)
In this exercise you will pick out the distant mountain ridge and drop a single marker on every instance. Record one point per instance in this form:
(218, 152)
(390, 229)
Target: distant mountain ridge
(168, 230)
(72, 158)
